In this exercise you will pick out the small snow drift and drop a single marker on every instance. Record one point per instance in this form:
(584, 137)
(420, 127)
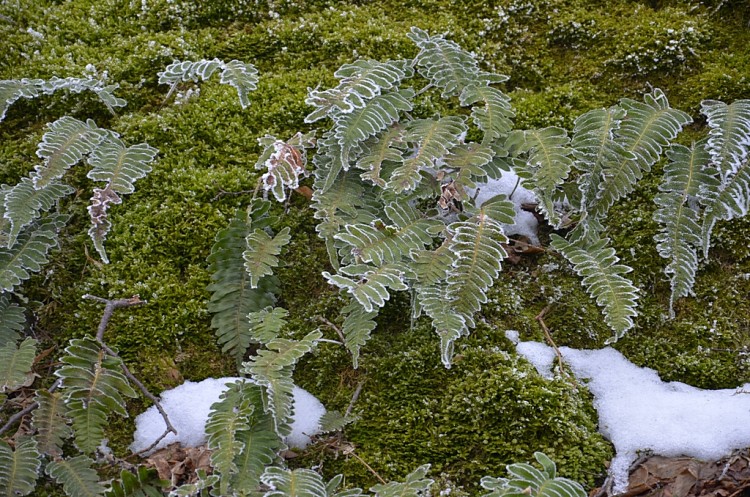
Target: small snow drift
(640, 412)
(188, 406)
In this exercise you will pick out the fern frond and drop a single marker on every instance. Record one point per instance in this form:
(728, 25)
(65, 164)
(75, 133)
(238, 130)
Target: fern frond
(449, 324)
(200, 487)
(51, 422)
(242, 77)
(361, 81)
(728, 144)
(431, 266)
(648, 128)
(266, 324)
(12, 320)
(24, 203)
(232, 297)
(12, 90)
(678, 215)
(381, 244)
(494, 113)
(444, 62)
(415, 485)
(285, 163)
(358, 324)
(469, 161)
(20, 467)
(379, 151)
(547, 165)
(272, 368)
(64, 145)
(377, 114)
(77, 476)
(371, 284)
(15, 364)
(528, 480)
(293, 483)
(262, 253)
(604, 281)
(144, 482)
(29, 253)
(93, 385)
(432, 138)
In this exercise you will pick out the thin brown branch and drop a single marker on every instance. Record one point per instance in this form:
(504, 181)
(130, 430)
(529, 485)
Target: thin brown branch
(332, 326)
(540, 319)
(109, 309)
(357, 391)
(26, 410)
(352, 453)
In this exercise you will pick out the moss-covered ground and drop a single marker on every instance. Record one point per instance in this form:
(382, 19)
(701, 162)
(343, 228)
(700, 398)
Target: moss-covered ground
(564, 57)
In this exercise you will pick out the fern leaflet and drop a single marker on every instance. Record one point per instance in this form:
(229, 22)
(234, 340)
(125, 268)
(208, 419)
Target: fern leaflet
(12, 320)
(494, 118)
(358, 324)
(16, 363)
(144, 482)
(262, 253)
(293, 483)
(379, 151)
(370, 288)
(24, 203)
(63, 146)
(528, 480)
(51, 422)
(415, 485)
(266, 324)
(603, 279)
(469, 160)
(444, 63)
(285, 163)
(243, 77)
(77, 476)
(20, 467)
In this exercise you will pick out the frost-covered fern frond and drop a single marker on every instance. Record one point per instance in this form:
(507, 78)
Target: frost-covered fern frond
(262, 253)
(728, 144)
(284, 162)
(528, 480)
(603, 279)
(368, 284)
(414, 485)
(29, 253)
(377, 115)
(444, 62)
(678, 214)
(15, 364)
(272, 368)
(379, 243)
(378, 152)
(293, 483)
(546, 165)
(119, 167)
(12, 320)
(243, 77)
(432, 139)
(51, 422)
(12, 90)
(20, 467)
(469, 160)
(64, 145)
(77, 476)
(93, 386)
(648, 128)
(358, 324)
(24, 203)
(449, 325)
(266, 324)
(361, 81)
(492, 113)
(143, 482)
(200, 488)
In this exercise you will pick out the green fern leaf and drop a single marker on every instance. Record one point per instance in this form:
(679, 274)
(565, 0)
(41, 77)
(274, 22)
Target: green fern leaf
(431, 266)
(547, 165)
(64, 145)
(144, 482)
(243, 77)
(530, 481)
(200, 487)
(293, 483)
(272, 368)
(12, 320)
(728, 143)
(381, 244)
(680, 235)
(604, 281)
(24, 203)
(358, 324)
(29, 254)
(361, 81)
(370, 288)
(266, 324)
(495, 116)
(378, 152)
(12, 90)
(77, 476)
(93, 386)
(444, 63)
(415, 485)
(262, 253)
(449, 324)
(189, 71)
(16, 363)
(433, 138)
(51, 422)
(378, 114)
(647, 129)
(20, 467)
(469, 161)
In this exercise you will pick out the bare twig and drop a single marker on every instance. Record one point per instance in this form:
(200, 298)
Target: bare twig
(351, 452)
(540, 319)
(109, 309)
(357, 391)
(26, 410)
(223, 193)
(332, 326)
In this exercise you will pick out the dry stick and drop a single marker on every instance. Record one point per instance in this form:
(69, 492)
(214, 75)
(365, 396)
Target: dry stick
(331, 325)
(20, 414)
(548, 335)
(357, 391)
(352, 453)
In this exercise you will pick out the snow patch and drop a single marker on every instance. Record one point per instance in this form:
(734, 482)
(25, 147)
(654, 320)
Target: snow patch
(640, 412)
(188, 406)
